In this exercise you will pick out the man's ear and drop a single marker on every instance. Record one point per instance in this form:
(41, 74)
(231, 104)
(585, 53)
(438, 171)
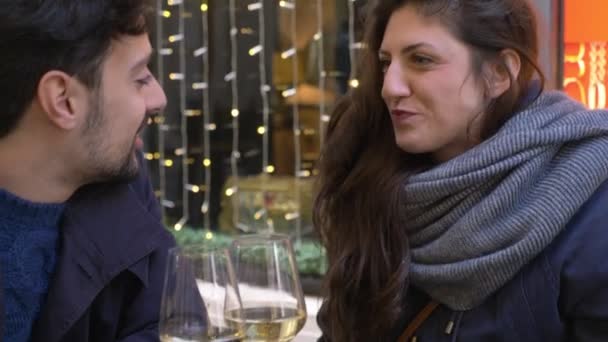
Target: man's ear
(497, 72)
(63, 98)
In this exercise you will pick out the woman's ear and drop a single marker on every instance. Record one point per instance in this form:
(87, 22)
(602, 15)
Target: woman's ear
(499, 73)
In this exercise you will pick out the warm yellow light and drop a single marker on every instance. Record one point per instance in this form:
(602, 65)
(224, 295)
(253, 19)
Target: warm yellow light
(156, 155)
(167, 14)
(234, 113)
(291, 216)
(168, 163)
(176, 76)
(204, 7)
(209, 236)
(178, 226)
(288, 53)
(255, 50)
(193, 112)
(229, 192)
(207, 162)
(196, 189)
(270, 168)
(288, 92)
(149, 156)
(261, 130)
(354, 83)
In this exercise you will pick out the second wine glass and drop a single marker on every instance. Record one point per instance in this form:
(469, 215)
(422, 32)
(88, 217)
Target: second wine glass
(200, 287)
(273, 307)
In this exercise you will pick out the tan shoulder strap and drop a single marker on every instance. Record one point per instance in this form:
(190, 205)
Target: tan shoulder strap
(417, 321)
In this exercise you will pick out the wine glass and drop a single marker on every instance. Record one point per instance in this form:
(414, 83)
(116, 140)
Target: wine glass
(199, 288)
(273, 307)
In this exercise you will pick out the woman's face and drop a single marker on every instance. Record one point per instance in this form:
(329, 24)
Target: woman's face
(434, 99)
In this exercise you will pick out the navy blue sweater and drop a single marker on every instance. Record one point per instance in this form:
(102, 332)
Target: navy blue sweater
(28, 250)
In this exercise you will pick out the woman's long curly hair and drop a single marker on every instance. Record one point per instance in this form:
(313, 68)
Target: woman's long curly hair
(361, 169)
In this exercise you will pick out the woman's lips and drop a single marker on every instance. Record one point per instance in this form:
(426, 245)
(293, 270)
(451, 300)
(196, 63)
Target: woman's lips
(402, 116)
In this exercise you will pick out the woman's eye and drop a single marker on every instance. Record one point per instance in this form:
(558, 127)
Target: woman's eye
(384, 64)
(421, 60)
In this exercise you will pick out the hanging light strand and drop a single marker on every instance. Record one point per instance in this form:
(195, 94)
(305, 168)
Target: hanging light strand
(160, 71)
(233, 78)
(264, 88)
(206, 119)
(183, 118)
(296, 127)
(352, 79)
(322, 74)
(264, 130)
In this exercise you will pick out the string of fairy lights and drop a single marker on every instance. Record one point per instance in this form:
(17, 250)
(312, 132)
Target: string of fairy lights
(353, 45)
(208, 126)
(232, 77)
(323, 116)
(173, 15)
(292, 52)
(263, 130)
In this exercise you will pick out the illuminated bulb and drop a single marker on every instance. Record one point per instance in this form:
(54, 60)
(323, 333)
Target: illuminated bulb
(261, 130)
(196, 189)
(209, 236)
(354, 83)
(255, 50)
(270, 169)
(200, 51)
(204, 8)
(288, 53)
(156, 155)
(167, 14)
(178, 226)
(149, 156)
(286, 4)
(199, 85)
(291, 216)
(193, 112)
(168, 163)
(176, 76)
(229, 192)
(207, 162)
(176, 37)
(288, 92)
(258, 214)
(254, 6)
(234, 113)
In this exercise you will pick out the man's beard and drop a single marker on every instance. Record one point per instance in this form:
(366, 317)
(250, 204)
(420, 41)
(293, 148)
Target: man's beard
(102, 167)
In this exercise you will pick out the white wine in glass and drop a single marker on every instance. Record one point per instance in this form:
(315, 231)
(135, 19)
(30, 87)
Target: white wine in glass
(200, 287)
(273, 307)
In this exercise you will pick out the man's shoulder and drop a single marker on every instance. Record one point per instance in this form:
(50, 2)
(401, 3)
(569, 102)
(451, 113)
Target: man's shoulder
(575, 256)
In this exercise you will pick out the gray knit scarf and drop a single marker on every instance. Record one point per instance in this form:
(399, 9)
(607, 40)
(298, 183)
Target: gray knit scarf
(477, 219)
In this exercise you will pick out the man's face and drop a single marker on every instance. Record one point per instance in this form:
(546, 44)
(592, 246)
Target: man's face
(128, 93)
